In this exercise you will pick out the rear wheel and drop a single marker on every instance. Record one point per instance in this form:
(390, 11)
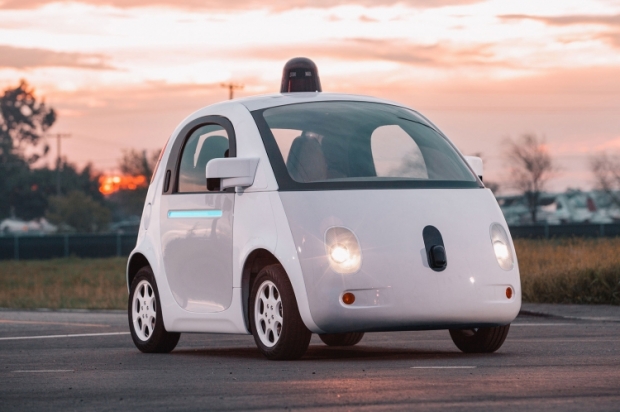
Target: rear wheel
(341, 339)
(145, 318)
(277, 327)
(479, 340)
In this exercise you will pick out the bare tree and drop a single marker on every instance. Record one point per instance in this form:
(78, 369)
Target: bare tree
(606, 171)
(531, 167)
(136, 163)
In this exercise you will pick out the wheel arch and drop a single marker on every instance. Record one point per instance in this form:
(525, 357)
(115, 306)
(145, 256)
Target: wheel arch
(254, 263)
(136, 262)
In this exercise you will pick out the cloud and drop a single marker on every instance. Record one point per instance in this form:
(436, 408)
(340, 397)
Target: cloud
(608, 20)
(613, 38)
(393, 50)
(224, 5)
(365, 19)
(23, 58)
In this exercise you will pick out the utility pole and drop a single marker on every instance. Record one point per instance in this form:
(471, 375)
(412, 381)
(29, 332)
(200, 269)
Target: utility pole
(58, 137)
(231, 87)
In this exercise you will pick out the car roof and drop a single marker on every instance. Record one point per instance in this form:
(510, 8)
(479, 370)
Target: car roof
(281, 99)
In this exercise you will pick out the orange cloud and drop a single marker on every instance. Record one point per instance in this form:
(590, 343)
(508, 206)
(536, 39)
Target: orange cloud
(25, 58)
(613, 20)
(392, 50)
(219, 5)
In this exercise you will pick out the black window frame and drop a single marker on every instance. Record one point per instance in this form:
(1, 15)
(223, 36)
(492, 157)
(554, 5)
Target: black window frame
(287, 184)
(174, 160)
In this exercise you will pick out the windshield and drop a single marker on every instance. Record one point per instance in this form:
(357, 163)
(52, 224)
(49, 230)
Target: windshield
(359, 143)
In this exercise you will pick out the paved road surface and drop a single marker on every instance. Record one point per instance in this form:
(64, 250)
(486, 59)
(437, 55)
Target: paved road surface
(546, 363)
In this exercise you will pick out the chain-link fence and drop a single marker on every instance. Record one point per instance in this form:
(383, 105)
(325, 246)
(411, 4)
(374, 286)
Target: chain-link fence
(58, 246)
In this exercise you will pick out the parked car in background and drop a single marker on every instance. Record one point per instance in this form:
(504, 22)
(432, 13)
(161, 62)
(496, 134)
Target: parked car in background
(573, 206)
(13, 226)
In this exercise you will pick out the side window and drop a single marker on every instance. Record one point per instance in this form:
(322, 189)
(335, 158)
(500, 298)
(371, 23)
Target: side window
(205, 143)
(396, 154)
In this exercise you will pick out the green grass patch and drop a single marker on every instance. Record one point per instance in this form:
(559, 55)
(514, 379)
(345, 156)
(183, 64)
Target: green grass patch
(70, 283)
(552, 271)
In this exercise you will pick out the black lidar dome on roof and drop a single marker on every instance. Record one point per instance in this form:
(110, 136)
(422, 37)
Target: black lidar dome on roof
(300, 75)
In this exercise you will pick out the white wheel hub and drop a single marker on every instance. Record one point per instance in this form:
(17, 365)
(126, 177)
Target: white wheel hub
(144, 312)
(268, 313)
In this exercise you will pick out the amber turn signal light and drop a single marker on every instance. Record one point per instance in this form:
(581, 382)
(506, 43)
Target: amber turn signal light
(509, 292)
(348, 298)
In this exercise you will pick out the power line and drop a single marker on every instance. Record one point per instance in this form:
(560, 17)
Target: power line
(59, 137)
(231, 87)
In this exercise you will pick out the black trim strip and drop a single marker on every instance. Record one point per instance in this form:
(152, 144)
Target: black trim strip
(174, 159)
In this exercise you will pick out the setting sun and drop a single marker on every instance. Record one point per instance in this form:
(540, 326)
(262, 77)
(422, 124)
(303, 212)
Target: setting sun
(112, 184)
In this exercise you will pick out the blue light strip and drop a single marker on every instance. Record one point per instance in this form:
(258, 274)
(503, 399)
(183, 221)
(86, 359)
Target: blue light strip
(187, 214)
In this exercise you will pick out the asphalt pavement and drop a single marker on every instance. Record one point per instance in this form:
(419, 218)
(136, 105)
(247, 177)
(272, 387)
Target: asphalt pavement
(555, 358)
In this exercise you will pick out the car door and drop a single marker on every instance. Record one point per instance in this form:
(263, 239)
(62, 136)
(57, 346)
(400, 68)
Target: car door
(196, 223)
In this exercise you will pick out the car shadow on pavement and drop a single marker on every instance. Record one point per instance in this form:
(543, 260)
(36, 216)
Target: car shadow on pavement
(324, 353)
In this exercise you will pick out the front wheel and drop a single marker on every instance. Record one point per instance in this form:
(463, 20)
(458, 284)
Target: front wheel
(479, 340)
(278, 330)
(341, 339)
(145, 319)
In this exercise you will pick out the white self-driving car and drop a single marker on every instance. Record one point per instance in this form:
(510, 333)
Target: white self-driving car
(306, 212)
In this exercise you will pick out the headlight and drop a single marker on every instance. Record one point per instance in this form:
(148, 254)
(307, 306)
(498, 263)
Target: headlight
(343, 250)
(501, 246)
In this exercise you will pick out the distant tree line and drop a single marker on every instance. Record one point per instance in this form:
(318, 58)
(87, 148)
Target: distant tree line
(28, 192)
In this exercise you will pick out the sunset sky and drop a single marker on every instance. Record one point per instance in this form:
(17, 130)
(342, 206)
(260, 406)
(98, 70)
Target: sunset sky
(124, 73)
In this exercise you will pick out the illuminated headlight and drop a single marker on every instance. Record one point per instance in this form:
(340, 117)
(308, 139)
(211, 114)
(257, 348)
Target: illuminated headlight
(501, 247)
(343, 250)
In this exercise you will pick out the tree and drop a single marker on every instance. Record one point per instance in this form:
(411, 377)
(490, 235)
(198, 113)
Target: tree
(33, 190)
(606, 170)
(23, 123)
(79, 211)
(134, 163)
(531, 167)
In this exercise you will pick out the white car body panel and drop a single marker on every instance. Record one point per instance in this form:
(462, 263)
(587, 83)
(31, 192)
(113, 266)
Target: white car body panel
(395, 288)
(198, 250)
(414, 298)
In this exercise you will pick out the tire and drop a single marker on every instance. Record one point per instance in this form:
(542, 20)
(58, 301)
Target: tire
(481, 340)
(145, 321)
(278, 330)
(341, 339)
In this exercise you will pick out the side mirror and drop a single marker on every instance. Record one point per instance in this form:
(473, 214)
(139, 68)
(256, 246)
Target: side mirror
(476, 164)
(231, 172)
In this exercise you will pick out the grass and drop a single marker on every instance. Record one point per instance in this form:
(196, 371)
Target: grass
(570, 270)
(552, 271)
(70, 283)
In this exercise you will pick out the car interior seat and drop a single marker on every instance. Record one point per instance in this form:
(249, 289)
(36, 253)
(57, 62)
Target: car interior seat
(306, 161)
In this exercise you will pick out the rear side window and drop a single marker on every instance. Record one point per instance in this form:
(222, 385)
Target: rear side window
(205, 143)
